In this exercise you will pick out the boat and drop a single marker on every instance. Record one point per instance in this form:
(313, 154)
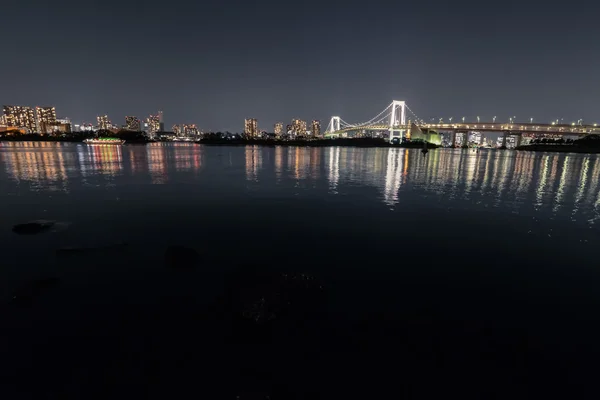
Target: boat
(106, 141)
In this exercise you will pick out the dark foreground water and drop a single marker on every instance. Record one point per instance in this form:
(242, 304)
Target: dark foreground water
(323, 273)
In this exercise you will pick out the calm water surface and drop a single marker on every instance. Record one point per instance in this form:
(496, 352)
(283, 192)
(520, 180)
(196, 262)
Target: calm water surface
(477, 271)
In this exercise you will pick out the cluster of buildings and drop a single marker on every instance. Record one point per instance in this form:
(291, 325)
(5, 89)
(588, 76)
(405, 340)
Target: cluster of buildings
(25, 119)
(186, 130)
(44, 121)
(298, 128)
(152, 124)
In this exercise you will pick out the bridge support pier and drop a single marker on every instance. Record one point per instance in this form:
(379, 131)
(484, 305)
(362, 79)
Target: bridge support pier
(519, 138)
(397, 118)
(465, 139)
(504, 136)
(453, 139)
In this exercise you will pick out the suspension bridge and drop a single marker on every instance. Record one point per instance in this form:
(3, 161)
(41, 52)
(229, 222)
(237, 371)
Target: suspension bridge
(392, 119)
(401, 122)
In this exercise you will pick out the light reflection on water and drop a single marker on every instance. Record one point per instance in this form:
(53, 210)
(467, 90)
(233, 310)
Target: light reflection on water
(557, 184)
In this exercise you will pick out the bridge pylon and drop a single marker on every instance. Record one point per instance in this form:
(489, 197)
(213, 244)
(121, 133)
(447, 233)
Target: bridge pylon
(334, 124)
(397, 119)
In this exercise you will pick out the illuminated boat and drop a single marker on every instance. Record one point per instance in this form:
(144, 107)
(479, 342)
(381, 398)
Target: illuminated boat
(107, 141)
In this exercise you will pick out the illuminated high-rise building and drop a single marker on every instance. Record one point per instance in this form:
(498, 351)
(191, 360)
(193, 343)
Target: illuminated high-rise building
(299, 127)
(103, 122)
(178, 130)
(315, 128)
(289, 129)
(190, 130)
(132, 123)
(45, 118)
(20, 117)
(56, 127)
(251, 127)
(153, 122)
(278, 129)
(161, 122)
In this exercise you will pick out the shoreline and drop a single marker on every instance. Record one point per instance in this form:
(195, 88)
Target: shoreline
(549, 148)
(366, 142)
(361, 142)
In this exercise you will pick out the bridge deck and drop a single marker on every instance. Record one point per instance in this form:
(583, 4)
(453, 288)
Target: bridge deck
(491, 127)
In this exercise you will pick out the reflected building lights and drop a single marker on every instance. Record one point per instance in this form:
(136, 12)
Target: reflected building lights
(188, 157)
(107, 160)
(583, 179)
(594, 180)
(138, 161)
(495, 172)
(301, 163)
(539, 193)
(253, 162)
(315, 162)
(527, 174)
(278, 161)
(507, 169)
(564, 185)
(469, 174)
(393, 176)
(334, 168)
(40, 163)
(561, 185)
(157, 163)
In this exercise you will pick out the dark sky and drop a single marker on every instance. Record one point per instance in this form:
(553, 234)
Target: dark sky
(215, 63)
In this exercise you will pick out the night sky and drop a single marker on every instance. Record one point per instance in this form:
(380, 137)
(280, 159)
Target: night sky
(215, 63)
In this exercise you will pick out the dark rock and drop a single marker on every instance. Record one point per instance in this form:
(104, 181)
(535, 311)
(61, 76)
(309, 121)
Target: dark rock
(69, 251)
(26, 295)
(33, 227)
(261, 295)
(181, 257)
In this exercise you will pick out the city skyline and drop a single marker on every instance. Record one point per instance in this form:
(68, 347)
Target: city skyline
(346, 60)
(44, 120)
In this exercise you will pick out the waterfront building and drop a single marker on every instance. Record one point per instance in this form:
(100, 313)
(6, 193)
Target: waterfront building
(251, 127)
(178, 130)
(59, 126)
(103, 122)
(299, 127)
(278, 129)
(161, 122)
(45, 117)
(190, 130)
(316, 128)
(20, 117)
(153, 124)
(132, 123)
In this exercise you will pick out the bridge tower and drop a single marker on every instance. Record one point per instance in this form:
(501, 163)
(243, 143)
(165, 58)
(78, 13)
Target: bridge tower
(335, 124)
(398, 119)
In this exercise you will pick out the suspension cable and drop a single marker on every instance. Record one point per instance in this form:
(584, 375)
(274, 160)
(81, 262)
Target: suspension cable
(374, 119)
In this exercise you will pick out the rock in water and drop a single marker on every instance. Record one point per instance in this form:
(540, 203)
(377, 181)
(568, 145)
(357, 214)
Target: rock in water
(26, 295)
(89, 251)
(33, 227)
(261, 295)
(181, 257)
